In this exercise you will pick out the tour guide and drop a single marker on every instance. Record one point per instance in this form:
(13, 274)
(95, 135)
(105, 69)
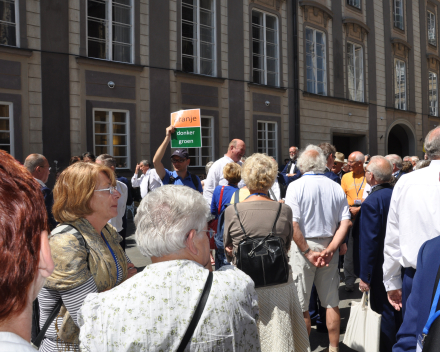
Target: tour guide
(180, 160)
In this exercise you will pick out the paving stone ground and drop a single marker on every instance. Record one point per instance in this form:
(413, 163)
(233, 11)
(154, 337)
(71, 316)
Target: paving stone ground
(318, 341)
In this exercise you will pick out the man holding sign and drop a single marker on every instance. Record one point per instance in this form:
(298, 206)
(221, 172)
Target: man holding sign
(180, 160)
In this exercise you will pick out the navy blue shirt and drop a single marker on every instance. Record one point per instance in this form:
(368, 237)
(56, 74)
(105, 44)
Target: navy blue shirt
(227, 194)
(187, 181)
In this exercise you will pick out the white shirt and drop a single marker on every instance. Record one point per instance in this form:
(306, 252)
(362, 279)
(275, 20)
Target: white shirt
(122, 204)
(40, 182)
(367, 190)
(215, 177)
(413, 219)
(318, 205)
(276, 190)
(150, 176)
(293, 168)
(152, 310)
(10, 342)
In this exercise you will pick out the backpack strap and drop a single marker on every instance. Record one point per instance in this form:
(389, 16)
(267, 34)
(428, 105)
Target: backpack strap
(238, 217)
(195, 181)
(237, 196)
(220, 201)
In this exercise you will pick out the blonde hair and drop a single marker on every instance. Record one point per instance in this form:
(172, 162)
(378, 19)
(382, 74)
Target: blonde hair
(259, 172)
(75, 188)
(232, 173)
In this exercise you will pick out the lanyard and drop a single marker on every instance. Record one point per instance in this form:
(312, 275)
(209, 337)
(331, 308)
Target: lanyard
(358, 190)
(312, 175)
(114, 257)
(256, 194)
(433, 314)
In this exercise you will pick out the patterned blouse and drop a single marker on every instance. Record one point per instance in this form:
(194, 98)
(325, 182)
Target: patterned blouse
(152, 310)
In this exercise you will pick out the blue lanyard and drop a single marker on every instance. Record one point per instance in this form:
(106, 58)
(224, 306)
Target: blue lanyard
(357, 191)
(256, 194)
(114, 257)
(312, 175)
(433, 314)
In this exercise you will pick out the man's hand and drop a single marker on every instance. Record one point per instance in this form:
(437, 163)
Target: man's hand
(343, 249)
(131, 270)
(327, 256)
(138, 166)
(354, 211)
(170, 129)
(363, 286)
(395, 298)
(228, 250)
(315, 258)
(290, 175)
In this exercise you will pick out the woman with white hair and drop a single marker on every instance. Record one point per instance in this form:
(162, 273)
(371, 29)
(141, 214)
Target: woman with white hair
(156, 309)
(281, 325)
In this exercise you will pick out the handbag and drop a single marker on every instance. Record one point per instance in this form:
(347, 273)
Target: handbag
(213, 224)
(363, 327)
(263, 258)
(197, 314)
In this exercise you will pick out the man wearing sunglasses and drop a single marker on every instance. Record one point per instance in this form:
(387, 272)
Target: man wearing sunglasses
(180, 160)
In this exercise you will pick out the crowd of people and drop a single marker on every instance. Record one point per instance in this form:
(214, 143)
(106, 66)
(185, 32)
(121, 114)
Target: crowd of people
(247, 259)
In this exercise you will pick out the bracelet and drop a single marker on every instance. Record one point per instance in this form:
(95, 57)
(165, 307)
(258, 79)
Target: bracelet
(306, 251)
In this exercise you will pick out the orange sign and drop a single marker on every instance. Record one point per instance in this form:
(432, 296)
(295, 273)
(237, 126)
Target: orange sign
(186, 118)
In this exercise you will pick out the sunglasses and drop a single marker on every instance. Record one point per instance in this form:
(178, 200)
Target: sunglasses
(175, 161)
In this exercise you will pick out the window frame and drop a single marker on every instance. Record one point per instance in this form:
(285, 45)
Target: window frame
(354, 44)
(266, 148)
(430, 93)
(315, 67)
(396, 83)
(110, 133)
(212, 147)
(17, 24)
(428, 21)
(198, 40)
(395, 14)
(11, 125)
(109, 27)
(264, 56)
(350, 3)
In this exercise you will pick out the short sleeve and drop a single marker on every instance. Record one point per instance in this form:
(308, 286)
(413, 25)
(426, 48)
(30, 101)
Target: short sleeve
(166, 178)
(344, 209)
(292, 202)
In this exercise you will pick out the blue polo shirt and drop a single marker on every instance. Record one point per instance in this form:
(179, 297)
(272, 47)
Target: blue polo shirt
(227, 194)
(187, 181)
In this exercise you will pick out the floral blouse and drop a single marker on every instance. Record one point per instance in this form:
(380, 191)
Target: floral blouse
(152, 310)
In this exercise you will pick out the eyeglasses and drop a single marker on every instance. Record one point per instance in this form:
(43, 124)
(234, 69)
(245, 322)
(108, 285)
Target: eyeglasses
(111, 189)
(175, 161)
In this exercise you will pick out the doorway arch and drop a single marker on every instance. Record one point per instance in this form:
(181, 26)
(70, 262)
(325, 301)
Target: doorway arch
(401, 139)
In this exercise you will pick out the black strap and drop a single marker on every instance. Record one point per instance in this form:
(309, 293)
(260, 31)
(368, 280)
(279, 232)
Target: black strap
(197, 314)
(195, 181)
(52, 316)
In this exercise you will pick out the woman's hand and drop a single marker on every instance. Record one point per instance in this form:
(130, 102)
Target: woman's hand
(131, 270)
(228, 250)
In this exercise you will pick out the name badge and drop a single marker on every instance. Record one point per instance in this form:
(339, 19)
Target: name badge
(419, 344)
(357, 202)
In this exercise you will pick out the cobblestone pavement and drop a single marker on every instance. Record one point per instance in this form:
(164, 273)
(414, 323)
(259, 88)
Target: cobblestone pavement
(318, 341)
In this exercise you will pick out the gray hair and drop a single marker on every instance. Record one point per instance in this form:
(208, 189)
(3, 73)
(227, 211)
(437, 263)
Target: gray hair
(165, 217)
(327, 149)
(33, 161)
(208, 166)
(145, 163)
(107, 160)
(381, 168)
(359, 157)
(406, 158)
(395, 159)
(432, 144)
(421, 164)
(415, 158)
(309, 161)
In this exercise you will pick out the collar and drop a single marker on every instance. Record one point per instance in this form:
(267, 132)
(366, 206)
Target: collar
(327, 169)
(312, 173)
(396, 173)
(373, 187)
(176, 176)
(435, 163)
(229, 159)
(235, 186)
(40, 182)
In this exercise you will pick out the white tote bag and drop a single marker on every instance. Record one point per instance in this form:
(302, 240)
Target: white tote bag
(363, 328)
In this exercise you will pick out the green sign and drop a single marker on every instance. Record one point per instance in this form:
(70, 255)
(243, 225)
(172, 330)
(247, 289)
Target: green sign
(187, 137)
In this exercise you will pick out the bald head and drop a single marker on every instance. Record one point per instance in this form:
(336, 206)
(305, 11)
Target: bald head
(356, 162)
(379, 170)
(432, 144)
(312, 159)
(236, 149)
(38, 166)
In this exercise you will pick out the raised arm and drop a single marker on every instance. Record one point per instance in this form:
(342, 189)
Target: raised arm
(157, 160)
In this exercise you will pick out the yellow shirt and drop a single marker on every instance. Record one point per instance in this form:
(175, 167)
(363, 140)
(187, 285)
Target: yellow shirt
(353, 186)
(242, 195)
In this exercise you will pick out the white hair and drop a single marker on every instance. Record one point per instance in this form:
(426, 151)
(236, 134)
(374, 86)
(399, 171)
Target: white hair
(382, 171)
(312, 161)
(432, 144)
(359, 157)
(415, 158)
(164, 218)
(395, 159)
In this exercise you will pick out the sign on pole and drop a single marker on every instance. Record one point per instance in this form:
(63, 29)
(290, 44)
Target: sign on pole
(188, 133)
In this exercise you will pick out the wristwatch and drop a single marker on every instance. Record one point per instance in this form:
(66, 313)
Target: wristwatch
(306, 251)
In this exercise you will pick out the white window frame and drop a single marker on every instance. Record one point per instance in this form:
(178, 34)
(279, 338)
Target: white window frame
(17, 24)
(198, 151)
(11, 125)
(399, 14)
(277, 34)
(266, 139)
(355, 3)
(109, 28)
(431, 28)
(110, 133)
(314, 62)
(433, 92)
(198, 57)
(401, 103)
(353, 53)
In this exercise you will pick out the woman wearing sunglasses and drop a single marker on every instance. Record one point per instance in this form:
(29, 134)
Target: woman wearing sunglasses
(85, 250)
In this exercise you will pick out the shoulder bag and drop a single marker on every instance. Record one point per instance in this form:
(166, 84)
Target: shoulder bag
(263, 258)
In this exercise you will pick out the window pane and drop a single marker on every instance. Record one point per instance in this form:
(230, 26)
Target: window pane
(5, 138)
(101, 116)
(4, 111)
(119, 117)
(271, 50)
(258, 77)
(123, 2)
(97, 29)
(206, 67)
(271, 22)
(119, 140)
(121, 14)
(205, 122)
(188, 47)
(257, 18)
(188, 64)
(205, 18)
(101, 150)
(188, 14)
(258, 62)
(257, 32)
(101, 128)
(321, 89)
(206, 4)
(121, 162)
(7, 34)
(122, 34)
(190, 2)
(189, 30)
(4, 124)
(7, 11)
(271, 36)
(119, 151)
(120, 129)
(206, 34)
(272, 79)
(101, 139)
(206, 50)
(121, 52)
(96, 9)
(258, 47)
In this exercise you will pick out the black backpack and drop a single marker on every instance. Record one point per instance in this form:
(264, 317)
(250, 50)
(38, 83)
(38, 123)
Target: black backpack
(194, 179)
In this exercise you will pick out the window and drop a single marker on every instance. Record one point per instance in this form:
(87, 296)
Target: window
(398, 14)
(265, 62)
(400, 85)
(316, 62)
(355, 3)
(355, 72)
(111, 135)
(110, 30)
(431, 29)
(198, 36)
(433, 94)
(6, 128)
(201, 156)
(8, 23)
(267, 138)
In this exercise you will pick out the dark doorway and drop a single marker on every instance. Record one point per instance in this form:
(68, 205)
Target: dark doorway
(347, 144)
(398, 141)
